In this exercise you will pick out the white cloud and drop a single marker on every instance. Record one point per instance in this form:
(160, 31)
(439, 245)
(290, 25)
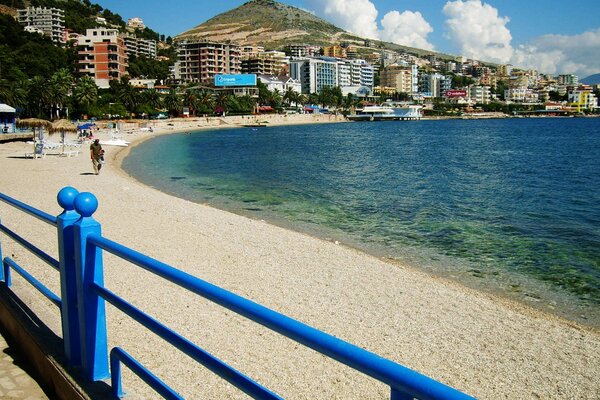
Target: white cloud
(478, 30)
(360, 17)
(356, 16)
(407, 28)
(562, 54)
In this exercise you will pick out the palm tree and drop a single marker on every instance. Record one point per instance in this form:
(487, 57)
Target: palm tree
(190, 100)
(60, 85)
(39, 97)
(206, 102)
(172, 102)
(221, 102)
(85, 93)
(153, 99)
(127, 95)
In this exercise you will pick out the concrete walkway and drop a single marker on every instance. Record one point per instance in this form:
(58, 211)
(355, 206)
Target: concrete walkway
(15, 383)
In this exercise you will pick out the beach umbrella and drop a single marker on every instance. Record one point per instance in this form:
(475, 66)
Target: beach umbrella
(63, 126)
(35, 124)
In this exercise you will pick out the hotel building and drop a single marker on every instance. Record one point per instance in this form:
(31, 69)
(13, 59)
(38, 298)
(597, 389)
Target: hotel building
(49, 21)
(101, 55)
(200, 61)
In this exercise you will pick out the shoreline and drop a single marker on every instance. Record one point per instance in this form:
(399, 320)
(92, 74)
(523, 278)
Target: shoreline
(477, 342)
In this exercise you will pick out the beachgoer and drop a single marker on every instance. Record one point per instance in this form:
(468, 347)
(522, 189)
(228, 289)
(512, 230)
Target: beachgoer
(96, 153)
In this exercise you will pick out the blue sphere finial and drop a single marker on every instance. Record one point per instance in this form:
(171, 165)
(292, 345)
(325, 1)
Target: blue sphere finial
(86, 204)
(66, 197)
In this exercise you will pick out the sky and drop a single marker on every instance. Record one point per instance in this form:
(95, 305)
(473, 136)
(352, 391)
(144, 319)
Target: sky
(552, 36)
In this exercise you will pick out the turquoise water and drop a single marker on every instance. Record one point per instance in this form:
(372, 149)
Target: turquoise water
(511, 206)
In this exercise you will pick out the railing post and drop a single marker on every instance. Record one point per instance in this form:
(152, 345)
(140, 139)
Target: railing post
(68, 282)
(89, 271)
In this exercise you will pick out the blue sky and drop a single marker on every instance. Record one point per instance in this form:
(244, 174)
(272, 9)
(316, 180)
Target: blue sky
(553, 36)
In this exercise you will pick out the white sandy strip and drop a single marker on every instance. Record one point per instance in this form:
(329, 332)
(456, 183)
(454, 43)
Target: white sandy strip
(488, 347)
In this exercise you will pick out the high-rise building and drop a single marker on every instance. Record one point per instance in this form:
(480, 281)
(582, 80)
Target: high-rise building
(200, 61)
(101, 55)
(266, 63)
(139, 47)
(49, 21)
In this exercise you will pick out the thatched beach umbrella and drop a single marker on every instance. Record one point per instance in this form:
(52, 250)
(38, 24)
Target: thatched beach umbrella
(63, 126)
(34, 123)
(39, 124)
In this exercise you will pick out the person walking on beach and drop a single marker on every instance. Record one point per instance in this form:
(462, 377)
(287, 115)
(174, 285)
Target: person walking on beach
(96, 153)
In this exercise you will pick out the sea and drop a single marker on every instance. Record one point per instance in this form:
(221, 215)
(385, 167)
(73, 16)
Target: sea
(507, 206)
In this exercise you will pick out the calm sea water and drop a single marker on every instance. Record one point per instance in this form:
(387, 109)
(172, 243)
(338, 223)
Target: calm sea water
(505, 205)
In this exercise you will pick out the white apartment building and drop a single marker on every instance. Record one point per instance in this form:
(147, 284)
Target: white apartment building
(49, 21)
(479, 94)
(135, 23)
(583, 99)
(434, 85)
(317, 73)
(521, 95)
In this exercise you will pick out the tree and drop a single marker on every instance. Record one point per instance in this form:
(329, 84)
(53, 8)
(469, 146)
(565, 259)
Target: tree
(85, 94)
(39, 98)
(172, 102)
(222, 102)
(60, 88)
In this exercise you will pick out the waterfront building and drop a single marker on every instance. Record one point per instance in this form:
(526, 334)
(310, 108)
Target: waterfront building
(266, 63)
(434, 85)
(479, 94)
(521, 94)
(200, 60)
(582, 98)
(101, 55)
(397, 77)
(135, 46)
(361, 73)
(281, 83)
(315, 73)
(49, 21)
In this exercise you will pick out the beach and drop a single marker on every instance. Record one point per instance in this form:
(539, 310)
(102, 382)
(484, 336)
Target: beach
(479, 343)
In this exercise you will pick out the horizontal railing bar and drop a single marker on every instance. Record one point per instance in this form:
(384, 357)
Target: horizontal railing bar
(51, 261)
(217, 366)
(50, 219)
(119, 355)
(34, 282)
(398, 377)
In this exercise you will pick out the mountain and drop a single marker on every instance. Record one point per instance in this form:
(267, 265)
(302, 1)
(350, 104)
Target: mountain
(271, 24)
(591, 80)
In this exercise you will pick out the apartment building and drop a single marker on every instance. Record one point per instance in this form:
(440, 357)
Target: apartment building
(361, 73)
(136, 23)
(302, 50)
(479, 94)
(200, 61)
(521, 94)
(101, 55)
(49, 21)
(336, 51)
(583, 98)
(315, 73)
(266, 63)
(140, 47)
(434, 85)
(398, 77)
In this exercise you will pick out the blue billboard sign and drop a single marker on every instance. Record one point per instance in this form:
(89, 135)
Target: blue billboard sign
(235, 80)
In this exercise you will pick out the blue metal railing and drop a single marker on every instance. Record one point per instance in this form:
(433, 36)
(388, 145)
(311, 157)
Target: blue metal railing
(81, 245)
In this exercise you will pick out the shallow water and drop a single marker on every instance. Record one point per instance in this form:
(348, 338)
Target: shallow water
(506, 205)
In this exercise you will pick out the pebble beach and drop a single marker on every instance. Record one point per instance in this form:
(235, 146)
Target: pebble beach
(480, 343)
